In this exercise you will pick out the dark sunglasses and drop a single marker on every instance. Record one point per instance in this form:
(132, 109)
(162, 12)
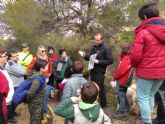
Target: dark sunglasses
(43, 51)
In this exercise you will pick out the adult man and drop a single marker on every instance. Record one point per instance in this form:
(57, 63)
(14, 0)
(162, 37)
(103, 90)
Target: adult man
(14, 69)
(16, 73)
(24, 56)
(99, 58)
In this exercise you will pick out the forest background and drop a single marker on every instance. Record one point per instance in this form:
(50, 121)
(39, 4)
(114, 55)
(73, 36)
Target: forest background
(70, 24)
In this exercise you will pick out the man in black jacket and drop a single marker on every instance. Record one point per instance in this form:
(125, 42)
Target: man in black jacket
(99, 58)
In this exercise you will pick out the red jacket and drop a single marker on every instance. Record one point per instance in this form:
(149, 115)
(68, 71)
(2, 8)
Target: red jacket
(148, 49)
(4, 89)
(123, 70)
(53, 58)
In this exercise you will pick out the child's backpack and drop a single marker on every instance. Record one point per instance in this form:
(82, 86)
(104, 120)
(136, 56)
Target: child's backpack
(22, 90)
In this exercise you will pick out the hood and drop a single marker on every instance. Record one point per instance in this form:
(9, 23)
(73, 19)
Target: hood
(90, 111)
(35, 73)
(156, 26)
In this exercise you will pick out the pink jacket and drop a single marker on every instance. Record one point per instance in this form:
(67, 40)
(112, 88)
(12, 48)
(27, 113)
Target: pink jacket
(148, 49)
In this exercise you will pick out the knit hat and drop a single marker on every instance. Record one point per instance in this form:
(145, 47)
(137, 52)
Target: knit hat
(50, 48)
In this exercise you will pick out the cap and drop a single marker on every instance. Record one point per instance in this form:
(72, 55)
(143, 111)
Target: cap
(24, 45)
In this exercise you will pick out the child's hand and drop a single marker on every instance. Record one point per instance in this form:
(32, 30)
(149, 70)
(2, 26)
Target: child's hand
(75, 99)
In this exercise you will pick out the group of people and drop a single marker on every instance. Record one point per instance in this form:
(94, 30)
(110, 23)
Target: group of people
(83, 100)
(16, 67)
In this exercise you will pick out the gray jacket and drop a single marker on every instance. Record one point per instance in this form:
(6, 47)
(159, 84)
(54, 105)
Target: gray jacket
(15, 71)
(73, 86)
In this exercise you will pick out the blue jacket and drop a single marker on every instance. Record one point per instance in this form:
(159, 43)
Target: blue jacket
(22, 90)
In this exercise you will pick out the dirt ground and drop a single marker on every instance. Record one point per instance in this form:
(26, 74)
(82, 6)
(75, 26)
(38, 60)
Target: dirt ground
(24, 118)
(111, 107)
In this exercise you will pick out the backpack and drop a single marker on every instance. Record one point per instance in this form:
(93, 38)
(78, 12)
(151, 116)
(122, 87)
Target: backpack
(130, 77)
(22, 90)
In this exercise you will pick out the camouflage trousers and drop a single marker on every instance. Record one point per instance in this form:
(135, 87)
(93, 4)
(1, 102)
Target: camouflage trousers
(36, 113)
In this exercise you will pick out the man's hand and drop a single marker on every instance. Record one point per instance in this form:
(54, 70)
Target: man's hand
(96, 61)
(82, 53)
(75, 99)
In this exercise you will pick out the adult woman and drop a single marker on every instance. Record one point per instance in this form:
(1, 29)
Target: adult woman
(147, 56)
(41, 54)
(60, 66)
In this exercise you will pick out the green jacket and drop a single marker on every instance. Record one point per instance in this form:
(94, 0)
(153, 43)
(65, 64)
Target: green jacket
(90, 111)
(59, 68)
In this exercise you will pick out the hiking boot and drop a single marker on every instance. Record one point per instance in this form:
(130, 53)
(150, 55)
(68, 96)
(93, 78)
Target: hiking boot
(120, 116)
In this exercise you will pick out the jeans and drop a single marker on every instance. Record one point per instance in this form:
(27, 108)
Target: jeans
(46, 98)
(146, 89)
(122, 98)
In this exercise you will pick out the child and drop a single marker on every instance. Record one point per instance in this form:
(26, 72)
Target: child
(84, 111)
(35, 99)
(75, 81)
(121, 76)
